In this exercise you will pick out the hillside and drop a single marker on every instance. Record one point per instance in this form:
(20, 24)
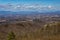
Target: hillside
(31, 30)
(34, 26)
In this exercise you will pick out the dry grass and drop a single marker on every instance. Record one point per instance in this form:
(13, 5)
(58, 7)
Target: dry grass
(31, 31)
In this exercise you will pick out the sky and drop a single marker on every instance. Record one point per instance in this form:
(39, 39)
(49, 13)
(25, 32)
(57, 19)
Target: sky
(30, 5)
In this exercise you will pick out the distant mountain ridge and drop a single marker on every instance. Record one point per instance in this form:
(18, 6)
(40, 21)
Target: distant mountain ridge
(28, 12)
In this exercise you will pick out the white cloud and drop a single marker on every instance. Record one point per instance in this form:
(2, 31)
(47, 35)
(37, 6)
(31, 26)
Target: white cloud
(49, 6)
(27, 7)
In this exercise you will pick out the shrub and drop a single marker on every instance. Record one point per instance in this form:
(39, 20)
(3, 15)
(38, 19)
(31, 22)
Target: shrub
(11, 36)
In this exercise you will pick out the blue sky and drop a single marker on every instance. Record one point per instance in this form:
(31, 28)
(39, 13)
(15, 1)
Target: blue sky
(30, 1)
(42, 5)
